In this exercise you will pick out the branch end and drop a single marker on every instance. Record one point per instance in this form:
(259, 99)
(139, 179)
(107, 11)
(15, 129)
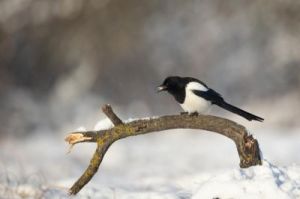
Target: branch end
(75, 138)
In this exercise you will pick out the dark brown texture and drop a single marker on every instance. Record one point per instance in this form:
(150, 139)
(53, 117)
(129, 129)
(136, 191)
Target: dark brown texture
(247, 146)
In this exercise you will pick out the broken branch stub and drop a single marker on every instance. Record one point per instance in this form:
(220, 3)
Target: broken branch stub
(247, 146)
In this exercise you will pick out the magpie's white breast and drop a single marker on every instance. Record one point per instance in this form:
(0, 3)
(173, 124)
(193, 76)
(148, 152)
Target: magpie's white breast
(192, 102)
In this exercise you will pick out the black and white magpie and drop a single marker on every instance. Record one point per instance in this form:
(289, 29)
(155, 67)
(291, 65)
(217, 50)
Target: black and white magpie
(194, 96)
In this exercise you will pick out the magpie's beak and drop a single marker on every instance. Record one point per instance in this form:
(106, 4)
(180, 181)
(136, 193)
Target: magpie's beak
(161, 88)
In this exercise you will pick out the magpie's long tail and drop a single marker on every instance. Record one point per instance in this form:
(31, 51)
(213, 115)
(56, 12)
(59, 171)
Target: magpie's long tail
(238, 111)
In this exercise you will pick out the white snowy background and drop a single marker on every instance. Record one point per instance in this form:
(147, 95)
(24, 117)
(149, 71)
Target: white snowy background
(177, 164)
(61, 60)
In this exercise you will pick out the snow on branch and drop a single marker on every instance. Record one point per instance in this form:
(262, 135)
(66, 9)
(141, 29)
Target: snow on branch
(247, 146)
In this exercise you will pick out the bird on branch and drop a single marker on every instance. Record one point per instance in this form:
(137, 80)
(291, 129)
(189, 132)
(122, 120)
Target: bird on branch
(196, 97)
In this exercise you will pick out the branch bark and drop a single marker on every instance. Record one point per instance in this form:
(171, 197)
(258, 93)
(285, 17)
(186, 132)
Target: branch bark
(247, 146)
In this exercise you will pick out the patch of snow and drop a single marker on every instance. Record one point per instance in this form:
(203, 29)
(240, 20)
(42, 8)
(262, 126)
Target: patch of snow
(81, 128)
(263, 182)
(266, 181)
(142, 118)
(103, 124)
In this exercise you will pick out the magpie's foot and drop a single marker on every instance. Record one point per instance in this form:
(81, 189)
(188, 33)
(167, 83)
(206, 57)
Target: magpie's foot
(194, 114)
(184, 113)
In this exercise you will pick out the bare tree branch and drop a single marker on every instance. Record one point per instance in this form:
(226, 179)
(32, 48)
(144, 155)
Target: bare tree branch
(247, 146)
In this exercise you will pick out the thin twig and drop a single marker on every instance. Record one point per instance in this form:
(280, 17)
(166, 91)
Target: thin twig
(108, 111)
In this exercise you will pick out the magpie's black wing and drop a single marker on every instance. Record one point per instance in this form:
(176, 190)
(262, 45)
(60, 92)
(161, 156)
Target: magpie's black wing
(210, 95)
(217, 99)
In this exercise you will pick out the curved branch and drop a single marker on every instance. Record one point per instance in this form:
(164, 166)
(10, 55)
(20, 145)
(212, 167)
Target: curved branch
(247, 146)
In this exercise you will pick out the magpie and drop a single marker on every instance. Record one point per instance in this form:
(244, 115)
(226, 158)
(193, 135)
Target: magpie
(196, 97)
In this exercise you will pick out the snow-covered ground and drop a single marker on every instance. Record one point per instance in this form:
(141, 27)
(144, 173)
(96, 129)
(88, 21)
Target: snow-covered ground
(177, 164)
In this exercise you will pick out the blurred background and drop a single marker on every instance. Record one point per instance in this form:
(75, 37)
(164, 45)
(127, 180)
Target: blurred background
(61, 60)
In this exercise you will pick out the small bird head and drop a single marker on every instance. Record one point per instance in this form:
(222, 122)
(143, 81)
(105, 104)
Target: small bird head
(171, 84)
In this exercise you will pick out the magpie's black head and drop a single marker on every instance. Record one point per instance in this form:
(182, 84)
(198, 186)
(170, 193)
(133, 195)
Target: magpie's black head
(173, 85)
(176, 85)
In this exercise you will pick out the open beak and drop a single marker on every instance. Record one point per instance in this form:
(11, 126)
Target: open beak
(161, 88)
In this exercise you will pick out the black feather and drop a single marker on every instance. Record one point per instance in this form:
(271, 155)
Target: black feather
(210, 95)
(217, 99)
(240, 112)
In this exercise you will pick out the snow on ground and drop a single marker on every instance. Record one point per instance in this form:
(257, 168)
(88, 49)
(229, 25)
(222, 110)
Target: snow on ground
(177, 164)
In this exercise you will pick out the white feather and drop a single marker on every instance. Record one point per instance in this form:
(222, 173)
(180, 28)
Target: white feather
(192, 102)
(196, 86)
